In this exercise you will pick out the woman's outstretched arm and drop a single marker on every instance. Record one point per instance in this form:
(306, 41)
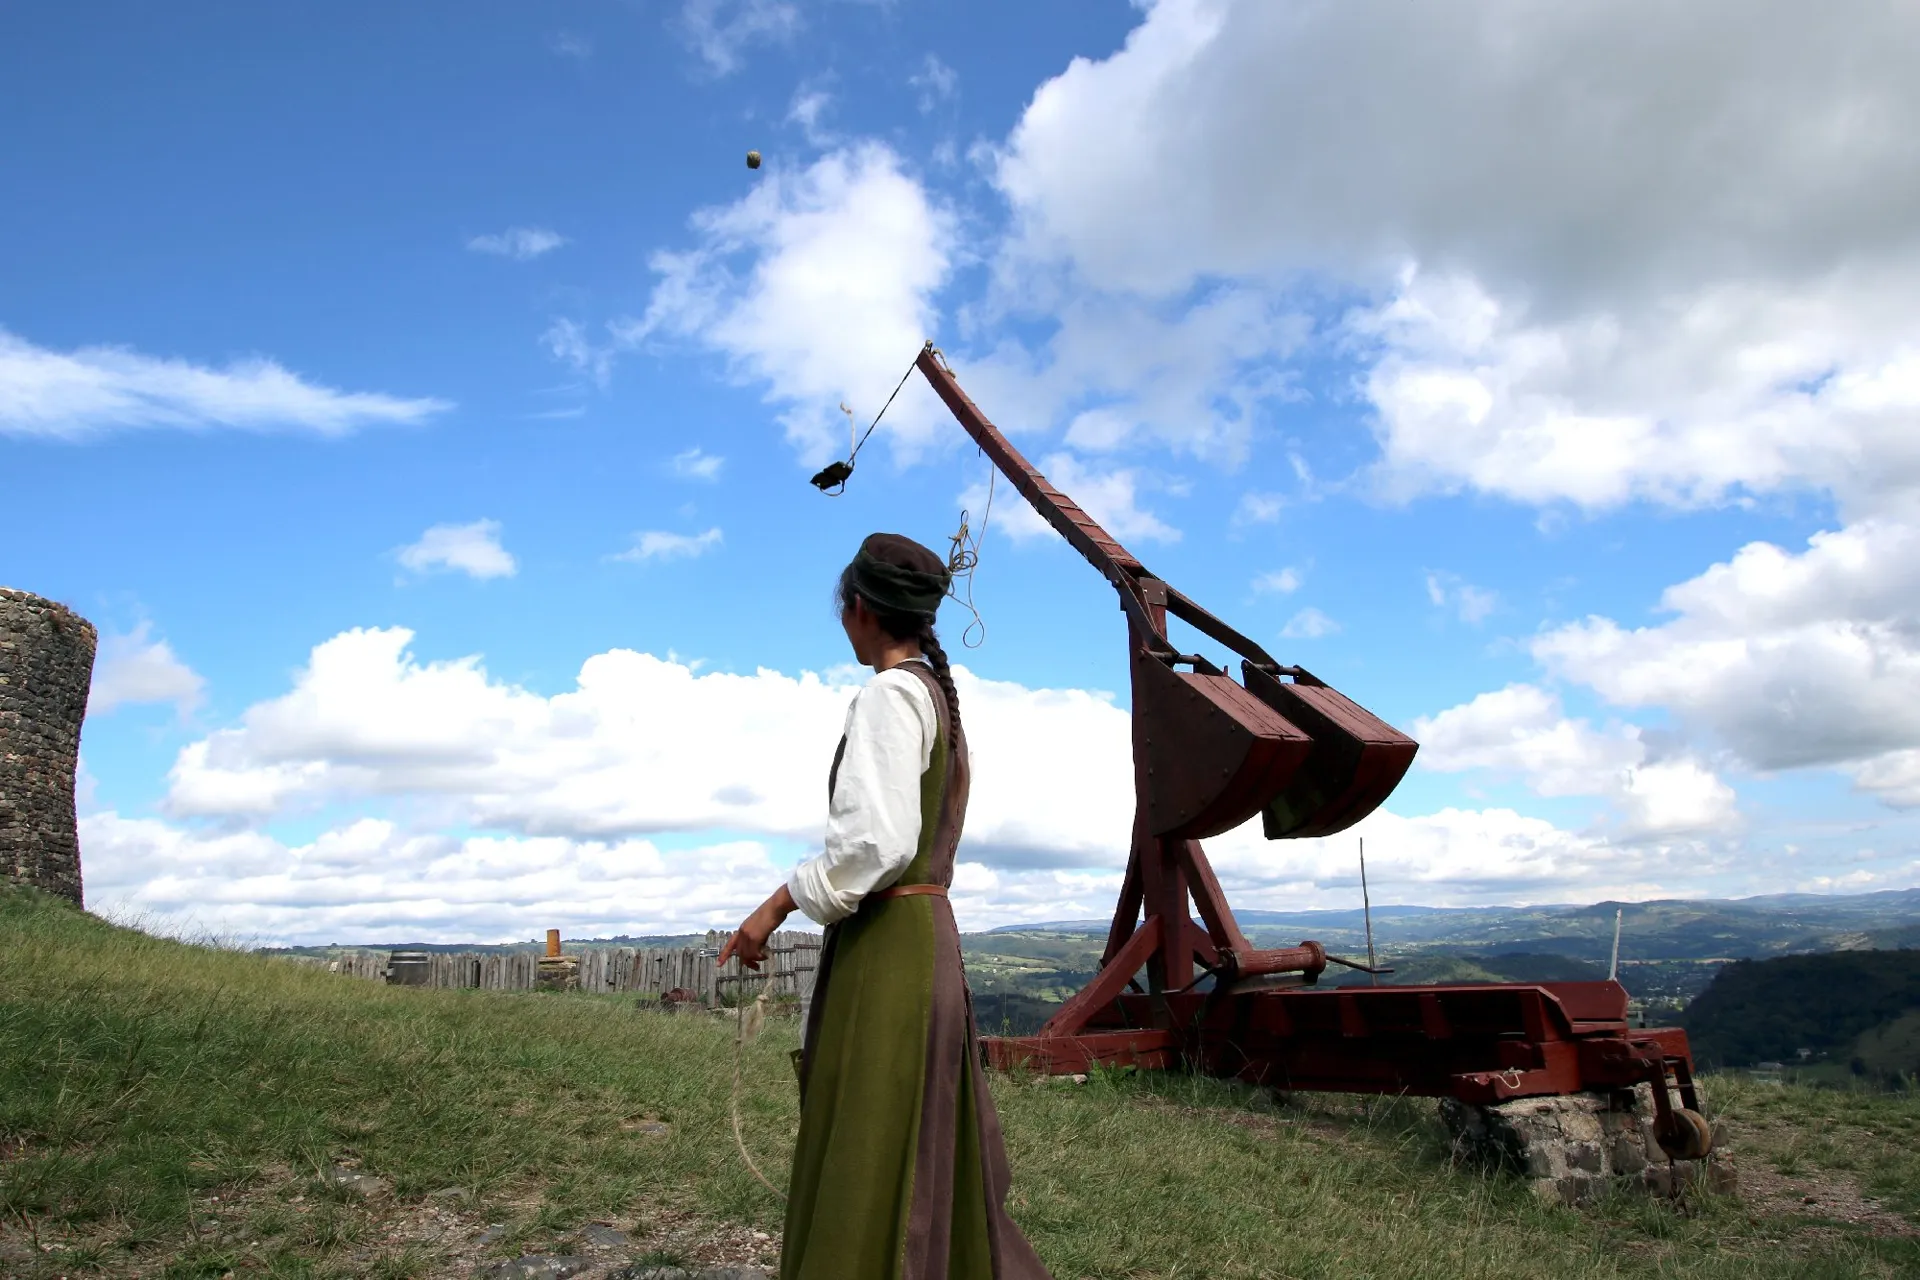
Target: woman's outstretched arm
(749, 941)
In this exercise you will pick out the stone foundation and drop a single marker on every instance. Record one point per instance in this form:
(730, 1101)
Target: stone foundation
(46, 671)
(1574, 1149)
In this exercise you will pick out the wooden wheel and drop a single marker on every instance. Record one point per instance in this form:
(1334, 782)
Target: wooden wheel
(1687, 1137)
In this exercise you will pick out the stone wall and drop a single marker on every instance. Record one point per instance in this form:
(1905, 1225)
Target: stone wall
(46, 668)
(1573, 1149)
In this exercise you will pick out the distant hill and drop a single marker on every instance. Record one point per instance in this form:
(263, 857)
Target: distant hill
(1668, 929)
(1768, 1010)
(1513, 967)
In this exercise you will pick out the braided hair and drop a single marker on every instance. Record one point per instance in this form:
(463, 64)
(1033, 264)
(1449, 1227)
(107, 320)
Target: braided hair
(905, 624)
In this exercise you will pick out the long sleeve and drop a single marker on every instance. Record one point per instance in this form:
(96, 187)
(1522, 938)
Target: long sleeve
(873, 822)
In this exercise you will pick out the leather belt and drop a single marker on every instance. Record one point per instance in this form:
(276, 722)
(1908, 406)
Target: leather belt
(909, 890)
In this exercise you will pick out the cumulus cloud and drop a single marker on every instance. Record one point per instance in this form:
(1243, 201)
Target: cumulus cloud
(473, 549)
(1110, 496)
(1789, 659)
(658, 544)
(519, 243)
(87, 392)
(1593, 254)
(369, 880)
(1738, 387)
(1121, 371)
(1280, 581)
(1594, 285)
(1521, 731)
(1580, 151)
(640, 746)
(820, 284)
(651, 796)
(135, 668)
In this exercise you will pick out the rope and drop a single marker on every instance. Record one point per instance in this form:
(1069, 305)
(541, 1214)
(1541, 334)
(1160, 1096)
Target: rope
(838, 472)
(964, 559)
(740, 1037)
(965, 556)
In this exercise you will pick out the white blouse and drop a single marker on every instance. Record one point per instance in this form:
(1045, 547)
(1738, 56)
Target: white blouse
(873, 822)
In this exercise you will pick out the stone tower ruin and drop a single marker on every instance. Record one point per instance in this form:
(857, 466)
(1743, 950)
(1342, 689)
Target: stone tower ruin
(46, 668)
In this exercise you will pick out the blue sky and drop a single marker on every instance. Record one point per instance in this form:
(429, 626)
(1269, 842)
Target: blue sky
(1578, 441)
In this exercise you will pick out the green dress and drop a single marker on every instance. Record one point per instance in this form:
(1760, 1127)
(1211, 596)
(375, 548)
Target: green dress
(900, 1172)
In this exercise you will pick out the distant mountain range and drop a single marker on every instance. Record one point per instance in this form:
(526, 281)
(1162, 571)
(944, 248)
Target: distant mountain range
(1665, 929)
(1669, 945)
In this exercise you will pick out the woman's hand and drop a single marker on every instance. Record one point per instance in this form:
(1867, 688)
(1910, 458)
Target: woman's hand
(749, 941)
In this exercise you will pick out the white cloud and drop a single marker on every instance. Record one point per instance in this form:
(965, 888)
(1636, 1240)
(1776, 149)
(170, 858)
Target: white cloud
(820, 284)
(132, 669)
(76, 395)
(371, 881)
(1733, 388)
(650, 796)
(571, 44)
(1471, 603)
(1258, 508)
(720, 30)
(473, 549)
(696, 464)
(806, 109)
(639, 746)
(1521, 731)
(1791, 660)
(1309, 624)
(1594, 254)
(1537, 325)
(1111, 497)
(568, 342)
(1121, 370)
(518, 243)
(1281, 581)
(1580, 150)
(935, 82)
(658, 544)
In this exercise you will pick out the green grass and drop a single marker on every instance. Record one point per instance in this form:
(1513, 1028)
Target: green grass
(170, 1110)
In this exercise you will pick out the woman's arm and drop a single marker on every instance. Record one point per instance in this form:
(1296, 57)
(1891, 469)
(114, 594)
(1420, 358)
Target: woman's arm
(873, 821)
(749, 941)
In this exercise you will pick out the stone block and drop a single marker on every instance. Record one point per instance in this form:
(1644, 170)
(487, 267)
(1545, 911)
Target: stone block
(1627, 1153)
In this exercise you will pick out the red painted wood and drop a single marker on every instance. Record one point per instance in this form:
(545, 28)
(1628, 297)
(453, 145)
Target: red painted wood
(1108, 983)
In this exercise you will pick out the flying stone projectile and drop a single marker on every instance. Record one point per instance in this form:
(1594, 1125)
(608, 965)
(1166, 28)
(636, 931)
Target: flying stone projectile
(753, 159)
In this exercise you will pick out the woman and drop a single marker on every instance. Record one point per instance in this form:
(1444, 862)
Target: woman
(899, 1172)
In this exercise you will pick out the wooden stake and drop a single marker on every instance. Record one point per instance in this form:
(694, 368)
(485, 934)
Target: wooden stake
(1366, 902)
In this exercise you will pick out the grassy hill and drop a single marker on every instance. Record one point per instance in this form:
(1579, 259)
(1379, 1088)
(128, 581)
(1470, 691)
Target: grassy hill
(181, 1111)
(1768, 1010)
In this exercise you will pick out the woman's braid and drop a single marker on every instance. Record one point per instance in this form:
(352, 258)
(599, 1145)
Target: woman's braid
(937, 659)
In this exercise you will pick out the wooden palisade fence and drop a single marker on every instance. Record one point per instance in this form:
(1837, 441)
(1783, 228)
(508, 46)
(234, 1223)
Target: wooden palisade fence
(792, 960)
